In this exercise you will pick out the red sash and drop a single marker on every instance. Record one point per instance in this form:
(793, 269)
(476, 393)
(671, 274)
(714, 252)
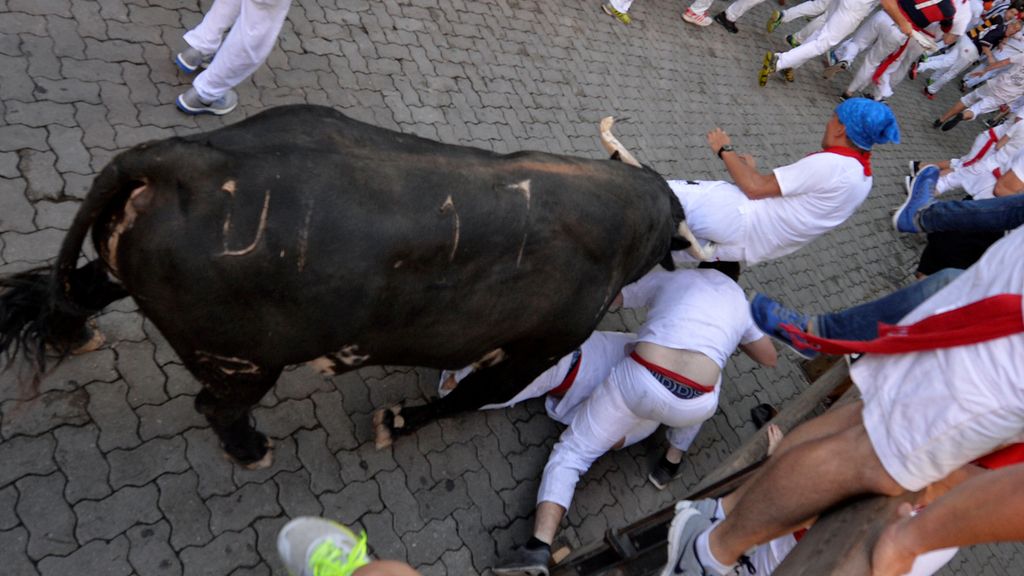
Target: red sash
(562, 388)
(992, 139)
(863, 157)
(987, 319)
(1006, 456)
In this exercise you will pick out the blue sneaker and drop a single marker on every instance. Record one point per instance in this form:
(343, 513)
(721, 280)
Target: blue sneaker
(922, 187)
(830, 58)
(770, 315)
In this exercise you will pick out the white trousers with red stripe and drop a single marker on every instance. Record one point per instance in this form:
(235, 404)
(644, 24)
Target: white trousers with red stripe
(883, 37)
(629, 406)
(254, 26)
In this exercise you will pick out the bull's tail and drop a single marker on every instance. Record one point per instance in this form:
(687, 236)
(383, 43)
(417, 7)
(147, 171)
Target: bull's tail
(48, 307)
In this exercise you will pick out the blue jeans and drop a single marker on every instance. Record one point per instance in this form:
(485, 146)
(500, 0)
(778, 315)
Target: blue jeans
(861, 322)
(989, 215)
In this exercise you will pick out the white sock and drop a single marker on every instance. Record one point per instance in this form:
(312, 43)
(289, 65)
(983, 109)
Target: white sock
(707, 559)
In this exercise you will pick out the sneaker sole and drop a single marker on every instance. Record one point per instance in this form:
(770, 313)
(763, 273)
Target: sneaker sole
(683, 512)
(657, 484)
(197, 111)
(183, 66)
(910, 193)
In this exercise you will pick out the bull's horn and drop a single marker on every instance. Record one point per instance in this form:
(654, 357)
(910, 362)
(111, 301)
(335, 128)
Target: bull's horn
(612, 144)
(695, 250)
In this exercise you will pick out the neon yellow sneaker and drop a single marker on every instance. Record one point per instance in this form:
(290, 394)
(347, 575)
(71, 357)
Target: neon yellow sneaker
(311, 546)
(611, 11)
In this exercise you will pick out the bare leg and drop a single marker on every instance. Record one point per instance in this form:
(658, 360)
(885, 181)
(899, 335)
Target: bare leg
(797, 485)
(674, 455)
(546, 521)
(957, 108)
(774, 438)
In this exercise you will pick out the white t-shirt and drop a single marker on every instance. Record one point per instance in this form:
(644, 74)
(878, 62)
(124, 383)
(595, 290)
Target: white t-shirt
(970, 399)
(701, 310)
(819, 192)
(967, 11)
(1017, 164)
(1009, 85)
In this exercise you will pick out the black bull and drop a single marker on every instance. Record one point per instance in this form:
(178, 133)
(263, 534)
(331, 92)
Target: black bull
(301, 235)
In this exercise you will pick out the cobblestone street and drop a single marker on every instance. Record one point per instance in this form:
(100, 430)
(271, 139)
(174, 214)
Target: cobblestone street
(110, 470)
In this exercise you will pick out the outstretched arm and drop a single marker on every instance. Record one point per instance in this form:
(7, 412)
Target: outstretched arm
(742, 169)
(986, 508)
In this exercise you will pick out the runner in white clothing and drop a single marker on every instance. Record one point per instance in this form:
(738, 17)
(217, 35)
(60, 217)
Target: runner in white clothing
(766, 216)
(977, 176)
(953, 395)
(695, 320)
(1003, 89)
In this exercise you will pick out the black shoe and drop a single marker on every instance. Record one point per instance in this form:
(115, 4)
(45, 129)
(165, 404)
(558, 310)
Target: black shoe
(937, 123)
(762, 414)
(726, 23)
(525, 561)
(912, 74)
(952, 122)
(663, 473)
(915, 167)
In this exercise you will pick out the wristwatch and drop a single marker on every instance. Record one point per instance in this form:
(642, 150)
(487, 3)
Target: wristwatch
(726, 148)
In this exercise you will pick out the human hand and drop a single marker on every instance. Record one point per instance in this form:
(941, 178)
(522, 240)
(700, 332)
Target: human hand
(892, 556)
(924, 41)
(718, 138)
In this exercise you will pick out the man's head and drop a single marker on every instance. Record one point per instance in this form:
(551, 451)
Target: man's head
(1011, 14)
(1013, 27)
(861, 123)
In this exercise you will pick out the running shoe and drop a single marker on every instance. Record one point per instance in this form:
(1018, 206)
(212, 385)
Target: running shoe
(774, 21)
(788, 75)
(792, 41)
(663, 473)
(620, 16)
(189, 60)
(770, 316)
(695, 18)
(191, 103)
(311, 546)
(767, 68)
(687, 525)
(952, 122)
(922, 187)
(915, 167)
(525, 562)
(729, 25)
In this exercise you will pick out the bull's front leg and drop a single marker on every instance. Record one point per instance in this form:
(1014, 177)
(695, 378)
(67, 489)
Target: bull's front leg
(491, 385)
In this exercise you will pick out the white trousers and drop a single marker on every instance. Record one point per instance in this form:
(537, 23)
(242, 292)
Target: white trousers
(814, 10)
(254, 26)
(951, 64)
(976, 179)
(621, 5)
(630, 405)
(841, 18)
(860, 41)
(740, 7)
(897, 71)
(980, 141)
(884, 38)
(714, 212)
(982, 101)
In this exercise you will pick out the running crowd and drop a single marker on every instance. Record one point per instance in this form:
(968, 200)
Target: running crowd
(938, 363)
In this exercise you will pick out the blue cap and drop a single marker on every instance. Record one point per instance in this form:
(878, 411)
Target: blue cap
(868, 122)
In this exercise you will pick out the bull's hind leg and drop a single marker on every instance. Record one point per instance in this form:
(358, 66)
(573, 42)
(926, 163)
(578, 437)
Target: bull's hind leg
(489, 385)
(230, 389)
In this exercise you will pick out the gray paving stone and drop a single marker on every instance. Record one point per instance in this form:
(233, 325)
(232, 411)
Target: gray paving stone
(136, 364)
(8, 500)
(150, 554)
(441, 500)
(285, 459)
(169, 419)
(140, 465)
(380, 530)
(44, 413)
(9, 167)
(110, 411)
(184, 509)
(98, 557)
(209, 462)
(283, 419)
(13, 543)
(397, 498)
(349, 504)
(105, 519)
(36, 247)
(48, 519)
(325, 473)
(257, 570)
(293, 493)
(238, 510)
(17, 136)
(66, 39)
(16, 212)
(53, 214)
(453, 461)
(334, 419)
(266, 540)
(40, 114)
(41, 174)
(427, 545)
(226, 552)
(71, 154)
(83, 465)
(26, 455)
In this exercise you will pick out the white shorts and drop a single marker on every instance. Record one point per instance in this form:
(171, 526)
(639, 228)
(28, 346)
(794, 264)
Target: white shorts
(981, 101)
(714, 212)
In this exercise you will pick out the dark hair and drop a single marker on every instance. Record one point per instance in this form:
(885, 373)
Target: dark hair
(730, 269)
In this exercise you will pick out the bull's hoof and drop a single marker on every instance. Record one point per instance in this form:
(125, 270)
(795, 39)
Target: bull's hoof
(257, 456)
(386, 423)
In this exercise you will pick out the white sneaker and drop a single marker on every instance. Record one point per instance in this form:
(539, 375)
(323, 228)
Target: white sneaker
(191, 103)
(309, 545)
(695, 18)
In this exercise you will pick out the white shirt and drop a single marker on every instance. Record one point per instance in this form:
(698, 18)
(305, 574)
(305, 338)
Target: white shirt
(1009, 85)
(819, 192)
(983, 377)
(700, 310)
(967, 12)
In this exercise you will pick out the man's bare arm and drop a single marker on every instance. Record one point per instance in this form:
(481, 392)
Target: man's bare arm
(743, 170)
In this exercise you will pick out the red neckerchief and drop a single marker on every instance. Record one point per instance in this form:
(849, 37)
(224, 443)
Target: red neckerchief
(986, 319)
(863, 157)
(992, 139)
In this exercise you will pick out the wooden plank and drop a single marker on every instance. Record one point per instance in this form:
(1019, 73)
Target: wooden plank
(840, 542)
